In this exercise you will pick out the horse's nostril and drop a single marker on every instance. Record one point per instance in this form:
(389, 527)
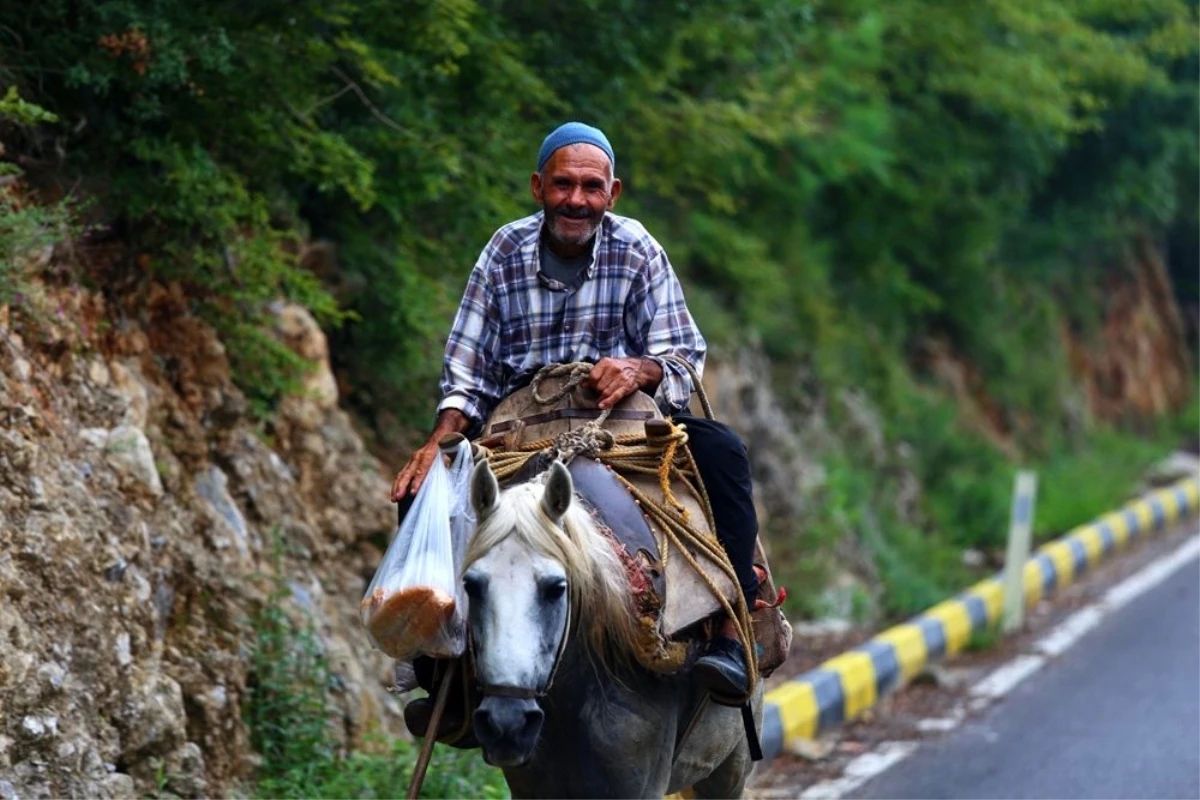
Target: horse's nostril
(485, 727)
(508, 730)
(497, 720)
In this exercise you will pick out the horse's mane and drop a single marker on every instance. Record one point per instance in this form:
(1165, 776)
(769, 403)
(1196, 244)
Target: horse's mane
(598, 588)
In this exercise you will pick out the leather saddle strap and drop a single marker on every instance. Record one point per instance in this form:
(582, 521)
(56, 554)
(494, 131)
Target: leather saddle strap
(752, 742)
(572, 413)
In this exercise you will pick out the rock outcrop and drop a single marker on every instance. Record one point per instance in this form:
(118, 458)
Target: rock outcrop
(139, 506)
(1137, 365)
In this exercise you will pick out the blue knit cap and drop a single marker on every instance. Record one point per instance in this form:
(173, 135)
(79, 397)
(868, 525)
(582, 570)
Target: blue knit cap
(574, 133)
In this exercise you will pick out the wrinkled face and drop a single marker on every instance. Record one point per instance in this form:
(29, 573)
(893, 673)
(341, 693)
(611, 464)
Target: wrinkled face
(575, 188)
(518, 615)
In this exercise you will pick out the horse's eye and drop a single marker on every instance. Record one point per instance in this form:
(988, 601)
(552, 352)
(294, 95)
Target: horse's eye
(473, 584)
(552, 590)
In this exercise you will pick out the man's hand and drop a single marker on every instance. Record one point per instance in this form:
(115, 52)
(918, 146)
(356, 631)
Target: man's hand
(409, 479)
(617, 378)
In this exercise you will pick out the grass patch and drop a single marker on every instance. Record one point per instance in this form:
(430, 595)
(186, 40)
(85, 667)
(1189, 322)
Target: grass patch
(1079, 485)
(288, 713)
(985, 638)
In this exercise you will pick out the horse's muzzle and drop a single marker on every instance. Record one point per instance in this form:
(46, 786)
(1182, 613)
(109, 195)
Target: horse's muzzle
(507, 728)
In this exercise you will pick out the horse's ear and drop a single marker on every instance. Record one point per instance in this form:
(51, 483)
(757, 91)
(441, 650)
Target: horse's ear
(485, 491)
(559, 490)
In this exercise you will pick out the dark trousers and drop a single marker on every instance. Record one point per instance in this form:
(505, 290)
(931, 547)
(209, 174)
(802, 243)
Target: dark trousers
(724, 467)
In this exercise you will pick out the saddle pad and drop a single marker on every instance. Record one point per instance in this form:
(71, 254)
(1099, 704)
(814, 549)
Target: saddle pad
(597, 485)
(686, 597)
(689, 599)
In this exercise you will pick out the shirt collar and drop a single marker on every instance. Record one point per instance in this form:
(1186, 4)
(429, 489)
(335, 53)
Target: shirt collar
(534, 242)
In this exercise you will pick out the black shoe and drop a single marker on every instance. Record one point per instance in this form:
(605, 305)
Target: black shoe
(722, 671)
(416, 717)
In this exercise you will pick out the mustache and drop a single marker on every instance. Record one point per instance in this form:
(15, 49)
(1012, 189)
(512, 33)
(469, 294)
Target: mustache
(574, 213)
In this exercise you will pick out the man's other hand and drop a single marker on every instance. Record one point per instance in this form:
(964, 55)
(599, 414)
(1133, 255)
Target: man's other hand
(617, 378)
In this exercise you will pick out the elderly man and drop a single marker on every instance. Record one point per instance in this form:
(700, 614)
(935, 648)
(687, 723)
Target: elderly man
(575, 282)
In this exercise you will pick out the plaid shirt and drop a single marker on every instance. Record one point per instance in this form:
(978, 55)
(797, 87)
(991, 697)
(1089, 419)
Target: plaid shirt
(514, 319)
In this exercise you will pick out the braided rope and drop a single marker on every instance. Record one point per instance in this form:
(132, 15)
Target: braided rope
(664, 470)
(574, 371)
(697, 384)
(680, 533)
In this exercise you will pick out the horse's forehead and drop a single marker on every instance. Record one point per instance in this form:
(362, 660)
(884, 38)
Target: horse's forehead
(511, 557)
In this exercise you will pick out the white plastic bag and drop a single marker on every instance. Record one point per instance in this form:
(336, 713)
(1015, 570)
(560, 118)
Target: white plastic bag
(415, 603)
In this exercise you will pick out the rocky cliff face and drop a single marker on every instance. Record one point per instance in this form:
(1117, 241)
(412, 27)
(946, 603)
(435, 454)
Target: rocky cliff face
(138, 511)
(1137, 365)
(789, 442)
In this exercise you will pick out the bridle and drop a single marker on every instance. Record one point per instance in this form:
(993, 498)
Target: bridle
(521, 692)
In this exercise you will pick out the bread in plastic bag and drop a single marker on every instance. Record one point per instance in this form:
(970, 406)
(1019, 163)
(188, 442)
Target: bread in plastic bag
(415, 603)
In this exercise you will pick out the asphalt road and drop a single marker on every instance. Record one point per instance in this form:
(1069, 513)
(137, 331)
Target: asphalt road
(1116, 716)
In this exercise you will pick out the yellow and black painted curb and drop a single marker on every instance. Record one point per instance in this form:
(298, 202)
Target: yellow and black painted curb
(842, 687)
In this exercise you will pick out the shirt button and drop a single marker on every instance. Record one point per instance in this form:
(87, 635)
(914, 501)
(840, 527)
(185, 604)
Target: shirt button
(567, 327)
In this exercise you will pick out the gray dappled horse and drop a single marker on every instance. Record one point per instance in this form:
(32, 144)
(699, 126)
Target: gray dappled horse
(566, 710)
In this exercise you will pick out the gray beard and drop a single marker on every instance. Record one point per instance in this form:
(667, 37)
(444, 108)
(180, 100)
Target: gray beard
(558, 235)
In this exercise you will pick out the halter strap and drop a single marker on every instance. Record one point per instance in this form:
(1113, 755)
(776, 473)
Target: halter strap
(506, 690)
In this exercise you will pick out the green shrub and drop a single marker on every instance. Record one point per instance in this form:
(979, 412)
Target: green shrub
(15, 109)
(288, 714)
(24, 231)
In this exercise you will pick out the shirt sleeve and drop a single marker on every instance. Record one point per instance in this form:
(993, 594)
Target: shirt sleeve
(670, 331)
(471, 367)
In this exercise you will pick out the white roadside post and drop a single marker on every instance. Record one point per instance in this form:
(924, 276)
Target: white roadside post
(1020, 530)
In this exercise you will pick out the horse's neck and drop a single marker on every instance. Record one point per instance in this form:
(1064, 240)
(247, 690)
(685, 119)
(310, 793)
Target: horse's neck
(595, 673)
